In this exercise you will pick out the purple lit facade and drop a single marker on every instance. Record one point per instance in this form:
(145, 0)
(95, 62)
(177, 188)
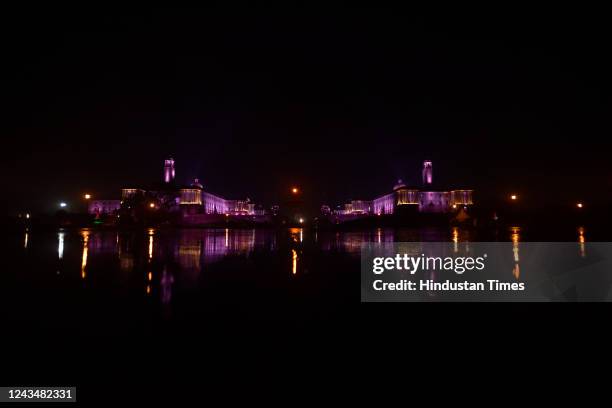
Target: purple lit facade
(129, 193)
(104, 207)
(434, 201)
(169, 170)
(425, 200)
(193, 202)
(384, 204)
(196, 204)
(427, 173)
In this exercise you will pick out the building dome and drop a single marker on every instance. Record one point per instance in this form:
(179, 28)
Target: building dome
(196, 184)
(399, 184)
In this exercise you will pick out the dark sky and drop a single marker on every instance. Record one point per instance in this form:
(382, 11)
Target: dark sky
(339, 102)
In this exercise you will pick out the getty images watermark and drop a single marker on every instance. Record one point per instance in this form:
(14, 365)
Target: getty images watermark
(486, 271)
(413, 264)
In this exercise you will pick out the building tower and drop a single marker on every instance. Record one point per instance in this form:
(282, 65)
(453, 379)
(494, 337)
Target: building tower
(427, 172)
(169, 170)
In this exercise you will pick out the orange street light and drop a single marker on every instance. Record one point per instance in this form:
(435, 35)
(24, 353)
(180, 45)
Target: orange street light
(87, 196)
(295, 190)
(579, 205)
(152, 205)
(513, 197)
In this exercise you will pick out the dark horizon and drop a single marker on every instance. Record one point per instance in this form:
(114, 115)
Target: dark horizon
(253, 102)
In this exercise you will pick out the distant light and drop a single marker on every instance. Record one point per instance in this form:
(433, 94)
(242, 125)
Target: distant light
(87, 196)
(63, 204)
(454, 205)
(152, 205)
(301, 220)
(513, 197)
(579, 205)
(28, 215)
(295, 190)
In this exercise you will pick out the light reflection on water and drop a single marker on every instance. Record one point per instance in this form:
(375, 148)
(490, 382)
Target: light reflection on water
(515, 236)
(85, 233)
(581, 242)
(162, 256)
(294, 260)
(60, 244)
(193, 249)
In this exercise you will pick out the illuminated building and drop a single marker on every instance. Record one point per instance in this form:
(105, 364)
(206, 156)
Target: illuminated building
(194, 200)
(411, 199)
(427, 173)
(129, 193)
(405, 195)
(384, 205)
(192, 203)
(434, 201)
(440, 201)
(169, 170)
(461, 197)
(104, 207)
(360, 207)
(214, 204)
(191, 196)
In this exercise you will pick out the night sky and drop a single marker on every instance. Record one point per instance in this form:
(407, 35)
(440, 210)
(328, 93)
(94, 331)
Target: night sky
(339, 102)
